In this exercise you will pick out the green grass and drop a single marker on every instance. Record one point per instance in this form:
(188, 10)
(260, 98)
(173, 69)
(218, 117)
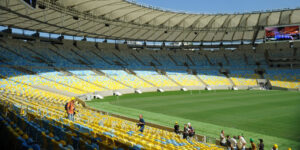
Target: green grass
(271, 115)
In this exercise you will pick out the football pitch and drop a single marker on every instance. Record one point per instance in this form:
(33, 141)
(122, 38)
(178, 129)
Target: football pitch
(271, 115)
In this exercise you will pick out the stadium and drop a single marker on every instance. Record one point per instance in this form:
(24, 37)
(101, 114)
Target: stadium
(77, 74)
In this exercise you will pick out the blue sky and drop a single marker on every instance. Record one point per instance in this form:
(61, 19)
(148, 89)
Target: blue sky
(221, 6)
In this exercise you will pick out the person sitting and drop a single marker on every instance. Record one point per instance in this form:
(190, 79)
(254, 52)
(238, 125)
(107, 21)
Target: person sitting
(222, 139)
(261, 145)
(176, 128)
(191, 130)
(253, 145)
(185, 131)
(141, 123)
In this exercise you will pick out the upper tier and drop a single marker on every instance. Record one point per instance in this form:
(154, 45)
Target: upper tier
(120, 19)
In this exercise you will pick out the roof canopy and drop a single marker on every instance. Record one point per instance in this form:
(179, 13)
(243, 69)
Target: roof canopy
(120, 19)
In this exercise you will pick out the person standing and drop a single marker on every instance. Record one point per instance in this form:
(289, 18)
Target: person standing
(242, 143)
(233, 143)
(191, 130)
(253, 145)
(71, 109)
(228, 143)
(185, 131)
(275, 147)
(176, 128)
(141, 123)
(222, 139)
(261, 145)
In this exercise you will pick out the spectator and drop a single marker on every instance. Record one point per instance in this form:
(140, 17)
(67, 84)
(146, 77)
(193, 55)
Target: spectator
(242, 143)
(253, 145)
(228, 143)
(176, 128)
(275, 147)
(141, 123)
(222, 139)
(191, 130)
(261, 145)
(233, 143)
(185, 131)
(71, 109)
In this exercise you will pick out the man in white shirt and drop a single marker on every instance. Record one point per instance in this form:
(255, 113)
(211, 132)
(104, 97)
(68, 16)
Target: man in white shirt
(222, 139)
(242, 143)
(233, 143)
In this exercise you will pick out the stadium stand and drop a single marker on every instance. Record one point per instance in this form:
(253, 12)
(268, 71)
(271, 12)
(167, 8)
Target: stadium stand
(71, 70)
(45, 125)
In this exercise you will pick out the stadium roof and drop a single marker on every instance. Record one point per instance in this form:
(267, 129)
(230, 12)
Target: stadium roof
(120, 19)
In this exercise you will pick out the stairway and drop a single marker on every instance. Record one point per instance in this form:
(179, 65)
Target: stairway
(162, 72)
(144, 80)
(173, 60)
(70, 73)
(230, 80)
(190, 59)
(139, 60)
(113, 79)
(200, 80)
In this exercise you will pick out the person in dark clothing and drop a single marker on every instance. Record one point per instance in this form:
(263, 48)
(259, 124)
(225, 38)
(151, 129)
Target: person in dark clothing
(185, 131)
(176, 128)
(261, 145)
(253, 145)
(191, 130)
(228, 142)
(141, 123)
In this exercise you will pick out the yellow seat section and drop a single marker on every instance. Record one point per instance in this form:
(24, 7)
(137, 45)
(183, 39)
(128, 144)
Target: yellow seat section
(132, 81)
(285, 84)
(104, 81)
(186, 80)
(77, 83)
(40, 81)
(159, 80)
(244, 80)
(215, 79)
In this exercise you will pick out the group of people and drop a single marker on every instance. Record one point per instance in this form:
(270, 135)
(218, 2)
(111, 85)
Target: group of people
(188, 130)
(234, 143)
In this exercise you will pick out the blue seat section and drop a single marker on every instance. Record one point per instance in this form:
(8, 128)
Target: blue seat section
(284, 74)
(9, 72)
(32, 134)
(242, 73)
(14, 59)
(110, 56)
